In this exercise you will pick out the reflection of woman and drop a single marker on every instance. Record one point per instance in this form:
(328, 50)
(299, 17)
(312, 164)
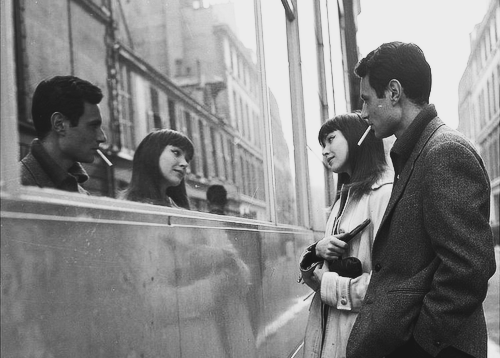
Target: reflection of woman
(366, 188)
(200, 282)
(159, 167)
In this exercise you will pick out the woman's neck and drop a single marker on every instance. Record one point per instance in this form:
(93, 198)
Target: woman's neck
(163, 191)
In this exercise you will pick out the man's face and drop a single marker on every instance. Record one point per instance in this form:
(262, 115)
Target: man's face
(80, 143)
(380, 112)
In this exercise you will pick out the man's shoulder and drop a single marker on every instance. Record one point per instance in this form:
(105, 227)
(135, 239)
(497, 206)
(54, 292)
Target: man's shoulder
(442, 134)
(448, 147)
(32, 172)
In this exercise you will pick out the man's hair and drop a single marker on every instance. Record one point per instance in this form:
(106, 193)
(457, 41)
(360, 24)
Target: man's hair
(217, 194)
(367, 161)
(401, 61)
(63, 94)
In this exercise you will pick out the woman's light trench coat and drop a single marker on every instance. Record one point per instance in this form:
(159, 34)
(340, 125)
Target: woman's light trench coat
(343, 296)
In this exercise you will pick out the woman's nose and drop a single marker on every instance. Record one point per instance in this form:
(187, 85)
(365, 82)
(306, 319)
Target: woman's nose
(183, 162)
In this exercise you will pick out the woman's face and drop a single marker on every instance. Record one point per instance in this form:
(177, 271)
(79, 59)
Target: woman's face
(173, 165)
(336, 152)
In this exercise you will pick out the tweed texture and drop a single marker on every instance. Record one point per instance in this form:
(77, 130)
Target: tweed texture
(433, 254)
(38, 169)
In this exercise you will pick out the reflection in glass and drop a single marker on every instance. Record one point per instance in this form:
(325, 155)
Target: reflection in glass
(188, 65)
(207, 70)
(277, 75)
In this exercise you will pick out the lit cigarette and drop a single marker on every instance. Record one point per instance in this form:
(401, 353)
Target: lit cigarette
(106, 160)
(364, 135)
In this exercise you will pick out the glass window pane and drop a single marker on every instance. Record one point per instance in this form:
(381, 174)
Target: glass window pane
(278, 80)
(185, 65)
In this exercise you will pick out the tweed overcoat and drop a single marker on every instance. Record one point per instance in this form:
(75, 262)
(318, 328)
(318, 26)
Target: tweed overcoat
(433, 254)
(35, 173)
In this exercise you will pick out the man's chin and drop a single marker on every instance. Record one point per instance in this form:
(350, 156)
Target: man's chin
(88, 160)
(380, 135)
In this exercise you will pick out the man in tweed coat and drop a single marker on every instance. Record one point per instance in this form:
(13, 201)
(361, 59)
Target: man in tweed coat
(433, 254)
(68, 121)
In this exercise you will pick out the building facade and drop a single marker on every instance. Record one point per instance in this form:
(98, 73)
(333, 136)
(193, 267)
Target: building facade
(479, 101)
(186, 65)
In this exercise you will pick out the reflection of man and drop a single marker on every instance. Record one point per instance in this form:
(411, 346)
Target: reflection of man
(433, 253)
(217, 199)
(68, 123)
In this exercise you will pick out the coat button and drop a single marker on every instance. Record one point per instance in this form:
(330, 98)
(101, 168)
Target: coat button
(343, 301)
(378, 267)
(437, 343)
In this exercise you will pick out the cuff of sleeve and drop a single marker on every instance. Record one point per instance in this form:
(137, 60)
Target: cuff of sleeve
(335, 291)
(309, 258)
(344, 288)
(329, 288)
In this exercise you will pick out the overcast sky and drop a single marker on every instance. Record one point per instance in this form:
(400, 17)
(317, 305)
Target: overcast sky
(440, 28)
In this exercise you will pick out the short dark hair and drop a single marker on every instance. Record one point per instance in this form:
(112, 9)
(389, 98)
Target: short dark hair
(217, 194)
(367, 161)
(146, 174)
(404, 62)
(63, 94)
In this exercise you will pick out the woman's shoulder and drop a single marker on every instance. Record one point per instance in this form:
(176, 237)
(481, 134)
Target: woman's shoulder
(385, 181)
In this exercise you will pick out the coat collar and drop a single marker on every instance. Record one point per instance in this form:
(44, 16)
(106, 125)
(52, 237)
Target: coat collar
(403, 147)
(405, 175)
(57, 174)
(386, 178)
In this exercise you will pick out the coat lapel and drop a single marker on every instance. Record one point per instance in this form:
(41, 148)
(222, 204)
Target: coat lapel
(405, 175)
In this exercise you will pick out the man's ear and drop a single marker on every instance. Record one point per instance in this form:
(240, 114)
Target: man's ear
(59, 123)
(395, 91)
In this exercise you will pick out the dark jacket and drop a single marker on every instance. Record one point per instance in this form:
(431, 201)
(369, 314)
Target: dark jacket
(39, 169)
(433, 254)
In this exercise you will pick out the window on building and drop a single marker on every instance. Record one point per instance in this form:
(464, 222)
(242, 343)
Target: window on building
(189, 133)
(497, 88)
(482, 108)
(157, 122)
(231, 160)
(171, 114)
(213, 147)
(126, 111)
(202, 152)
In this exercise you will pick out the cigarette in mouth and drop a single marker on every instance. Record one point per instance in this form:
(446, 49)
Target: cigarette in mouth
(364, 135)
(106, 160)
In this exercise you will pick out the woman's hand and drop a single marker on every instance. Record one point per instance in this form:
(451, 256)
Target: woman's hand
(331, 247)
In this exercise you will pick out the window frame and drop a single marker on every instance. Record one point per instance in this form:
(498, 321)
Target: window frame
(10, 181)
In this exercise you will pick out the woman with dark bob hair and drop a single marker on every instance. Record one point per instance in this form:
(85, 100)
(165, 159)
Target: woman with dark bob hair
(336, 268)
(159, 169)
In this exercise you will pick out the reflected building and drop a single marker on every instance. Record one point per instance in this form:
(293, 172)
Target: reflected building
(202, 54)
(479, 101)
(176, 64)
(281, 155)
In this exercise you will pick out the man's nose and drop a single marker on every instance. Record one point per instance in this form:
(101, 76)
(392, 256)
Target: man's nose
(102, 136)
(364, 112)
